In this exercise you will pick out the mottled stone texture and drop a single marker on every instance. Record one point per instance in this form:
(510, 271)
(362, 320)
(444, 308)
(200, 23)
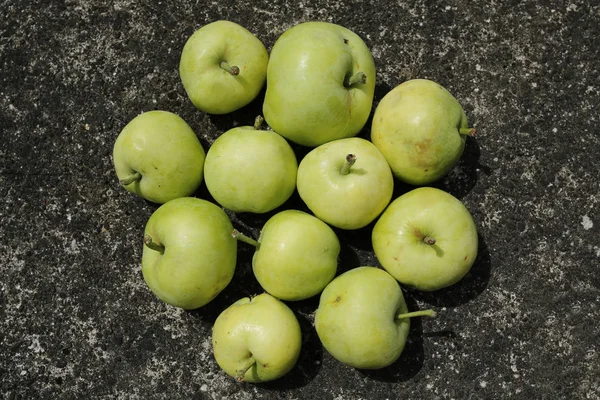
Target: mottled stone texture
(77, 320)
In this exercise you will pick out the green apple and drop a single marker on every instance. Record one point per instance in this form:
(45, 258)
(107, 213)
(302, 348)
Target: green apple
(250, 170)
(296, 255)
(257, 339)
(426, 239)
(346, 183)
(320, 84)
(189, 256)
(158, 157)
(362, 319)
(421, 129)
(223, 67)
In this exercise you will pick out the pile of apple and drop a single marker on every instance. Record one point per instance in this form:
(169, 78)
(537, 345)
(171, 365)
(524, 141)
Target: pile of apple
(424, 239)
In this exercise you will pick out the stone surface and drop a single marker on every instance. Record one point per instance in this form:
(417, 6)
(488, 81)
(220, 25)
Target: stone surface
(76, 319)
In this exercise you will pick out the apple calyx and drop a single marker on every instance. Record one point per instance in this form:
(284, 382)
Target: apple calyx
(467, 131)
(350, 160)
(243, 238)
(153, 245)
(429, 240)
(421, 313)
(243, 367)
(232, 69)
(258, 121)
(129, 179)
(359, 77)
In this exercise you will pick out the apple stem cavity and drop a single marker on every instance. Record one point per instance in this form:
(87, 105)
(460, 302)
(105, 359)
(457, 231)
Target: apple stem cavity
(153, 245)
(429, 240)
(232, 69)
(258, 121)
(243, 367)
(467, 131)
(359, 77)
(243, 238)
(350, 160)
(421, 313)
(135, 177)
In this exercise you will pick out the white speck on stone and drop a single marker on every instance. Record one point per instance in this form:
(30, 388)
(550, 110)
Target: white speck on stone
(587, 223)
(35, 345)
(429, 386)
(483, 384)
(554, 130)
(204, 388)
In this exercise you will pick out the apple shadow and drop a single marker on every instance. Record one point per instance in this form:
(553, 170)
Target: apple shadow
(463, 177)
(243, 284)
(241, 117)
(412, 358)
(465, 290)
(309, 362)
(254, 220)
(357, 238)
(381, 89)
(348, 258)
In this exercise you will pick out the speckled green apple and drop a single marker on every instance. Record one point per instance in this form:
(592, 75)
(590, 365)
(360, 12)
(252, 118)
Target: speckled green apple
(362, 319)
(296, 255)
(426, 239)
(250, 170)
(257, 339)
(189, 256)
(421, 129)
(346, 183)
(223, 67)
(320, 84)
(158, 157)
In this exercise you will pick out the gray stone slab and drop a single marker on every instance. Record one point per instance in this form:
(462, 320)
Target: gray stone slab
(77, 320)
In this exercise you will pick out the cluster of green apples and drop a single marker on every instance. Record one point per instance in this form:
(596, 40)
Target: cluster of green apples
(425, 239)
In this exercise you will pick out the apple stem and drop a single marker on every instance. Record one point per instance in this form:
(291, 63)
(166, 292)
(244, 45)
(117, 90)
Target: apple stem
(130, 179)
(153, 245)
(246, 239)
(421, 313)
(359, 77)
(232, 69)
(258, 121)
(467, 131)
(350, 160)
(243, 367)
(429, 240)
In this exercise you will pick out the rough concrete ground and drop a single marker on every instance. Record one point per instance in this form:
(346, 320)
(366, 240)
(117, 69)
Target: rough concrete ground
(76, 319)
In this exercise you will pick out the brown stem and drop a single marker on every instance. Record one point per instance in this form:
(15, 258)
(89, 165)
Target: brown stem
(350, 160)
(129, 179)
(243, 238)
(359, 77)
(421, 313)
(429, 240)
(152, 244)
(243, 367)
(232, 69)
(258, 121)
